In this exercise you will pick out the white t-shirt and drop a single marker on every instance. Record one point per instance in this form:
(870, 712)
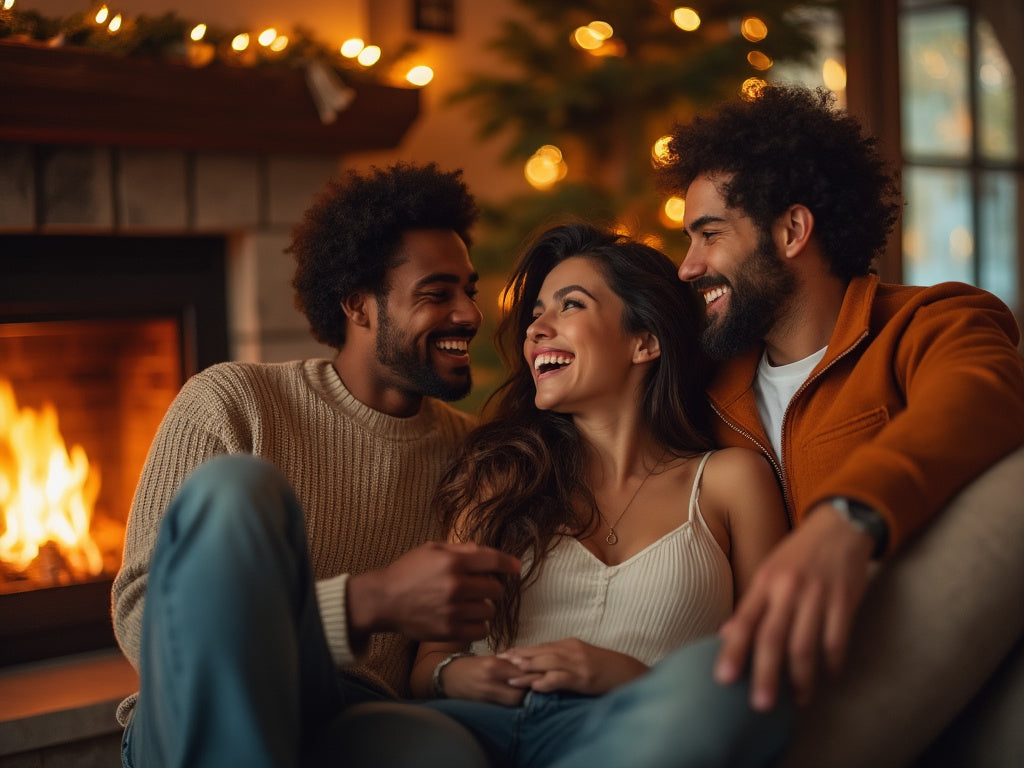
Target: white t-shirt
(775, 386)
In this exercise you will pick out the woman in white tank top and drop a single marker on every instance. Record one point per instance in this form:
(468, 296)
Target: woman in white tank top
(596, 468)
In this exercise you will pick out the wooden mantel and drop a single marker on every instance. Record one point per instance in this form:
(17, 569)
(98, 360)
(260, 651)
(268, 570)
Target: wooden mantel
(78, 96)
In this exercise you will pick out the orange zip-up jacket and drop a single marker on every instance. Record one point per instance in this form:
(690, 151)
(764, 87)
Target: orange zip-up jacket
(921, 389)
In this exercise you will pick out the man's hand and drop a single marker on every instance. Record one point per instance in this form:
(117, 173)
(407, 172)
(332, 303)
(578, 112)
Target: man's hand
(572, 665)
(799, 608)
(434, 592)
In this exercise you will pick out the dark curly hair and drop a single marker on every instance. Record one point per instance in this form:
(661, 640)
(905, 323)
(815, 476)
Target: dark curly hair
(349, 238)
(519, 480)
(790, 145)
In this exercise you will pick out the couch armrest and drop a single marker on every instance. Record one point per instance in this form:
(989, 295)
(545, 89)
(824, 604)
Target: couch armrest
(936, 621)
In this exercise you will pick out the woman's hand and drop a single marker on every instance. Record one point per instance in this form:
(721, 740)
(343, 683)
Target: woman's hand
(571, 665)
(483, 678)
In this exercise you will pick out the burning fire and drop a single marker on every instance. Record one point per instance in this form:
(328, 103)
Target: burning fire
(47, 497)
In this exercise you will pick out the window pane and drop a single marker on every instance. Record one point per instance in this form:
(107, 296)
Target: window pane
(999, 268)
(997, 128)
(938, 243)
(935, 109)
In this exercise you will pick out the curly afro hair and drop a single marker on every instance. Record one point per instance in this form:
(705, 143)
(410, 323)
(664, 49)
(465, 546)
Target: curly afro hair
(790, 145)
(350, 237)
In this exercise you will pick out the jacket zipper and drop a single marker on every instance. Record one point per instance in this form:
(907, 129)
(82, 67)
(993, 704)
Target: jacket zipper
(768, 453)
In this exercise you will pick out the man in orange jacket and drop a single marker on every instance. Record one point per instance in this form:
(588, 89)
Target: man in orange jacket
(875, 403)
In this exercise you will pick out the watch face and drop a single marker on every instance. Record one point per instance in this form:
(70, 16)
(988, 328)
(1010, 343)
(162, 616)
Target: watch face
(866, 519)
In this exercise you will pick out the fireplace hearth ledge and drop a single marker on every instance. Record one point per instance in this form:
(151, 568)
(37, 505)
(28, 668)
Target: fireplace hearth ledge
(59, 703)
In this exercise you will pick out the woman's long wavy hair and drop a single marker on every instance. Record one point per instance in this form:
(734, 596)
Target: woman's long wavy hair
(519, 481)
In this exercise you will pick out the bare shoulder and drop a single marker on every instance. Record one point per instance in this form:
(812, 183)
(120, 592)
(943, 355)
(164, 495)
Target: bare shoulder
(731, 468)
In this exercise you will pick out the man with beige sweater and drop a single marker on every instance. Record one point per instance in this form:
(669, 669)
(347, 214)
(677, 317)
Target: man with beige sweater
(277, 566)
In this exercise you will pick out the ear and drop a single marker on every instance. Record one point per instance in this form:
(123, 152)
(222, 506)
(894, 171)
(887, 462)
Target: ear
(793, 230)
(359, 307)
(647, 348)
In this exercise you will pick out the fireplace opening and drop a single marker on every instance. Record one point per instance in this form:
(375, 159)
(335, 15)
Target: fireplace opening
(97, 335)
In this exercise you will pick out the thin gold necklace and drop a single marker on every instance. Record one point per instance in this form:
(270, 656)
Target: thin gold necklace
(612, 538)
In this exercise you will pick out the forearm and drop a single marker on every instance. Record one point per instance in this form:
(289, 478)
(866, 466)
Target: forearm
(960, 384)
(429, 655)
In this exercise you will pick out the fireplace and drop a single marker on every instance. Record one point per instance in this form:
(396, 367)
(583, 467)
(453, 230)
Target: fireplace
(97, 334)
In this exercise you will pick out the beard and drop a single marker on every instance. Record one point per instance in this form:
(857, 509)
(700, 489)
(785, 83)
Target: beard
(761, 288)
(414, 365)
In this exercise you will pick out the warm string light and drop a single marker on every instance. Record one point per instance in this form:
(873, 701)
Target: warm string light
(686, 19)
(420, 75)
(833, 74)
(245, 44)
(753, 29)
(659, 152)
(752, 86)
(369, 56)
(546, 167)
(673, 212)
(8, 4)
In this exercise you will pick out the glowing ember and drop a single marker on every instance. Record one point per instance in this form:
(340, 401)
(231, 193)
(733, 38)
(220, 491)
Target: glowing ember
(47, 497)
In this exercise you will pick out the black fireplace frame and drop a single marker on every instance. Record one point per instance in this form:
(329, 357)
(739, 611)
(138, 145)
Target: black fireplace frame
(55, 277)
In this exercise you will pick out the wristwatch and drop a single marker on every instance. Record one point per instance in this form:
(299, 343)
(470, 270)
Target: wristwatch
(435, 679)
(866, 520)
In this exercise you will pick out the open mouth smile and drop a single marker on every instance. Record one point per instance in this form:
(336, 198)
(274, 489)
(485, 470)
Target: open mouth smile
(713, 294)
(546, 362)
(458, 347)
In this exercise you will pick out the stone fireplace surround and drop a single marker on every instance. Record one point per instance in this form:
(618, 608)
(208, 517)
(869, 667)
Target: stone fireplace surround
(252, 199)
(61, 711)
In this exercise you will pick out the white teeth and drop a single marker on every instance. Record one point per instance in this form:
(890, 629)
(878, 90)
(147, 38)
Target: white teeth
(453, 345)
(551, 358)
(715, 293)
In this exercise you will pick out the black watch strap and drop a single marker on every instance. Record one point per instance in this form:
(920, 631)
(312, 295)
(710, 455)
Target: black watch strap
(866, 520)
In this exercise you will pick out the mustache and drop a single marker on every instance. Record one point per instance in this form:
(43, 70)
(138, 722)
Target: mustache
(707, 282)
(454, 333)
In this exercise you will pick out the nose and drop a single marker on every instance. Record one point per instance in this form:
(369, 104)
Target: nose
(466, 312)
(538, 329)
(693, 266)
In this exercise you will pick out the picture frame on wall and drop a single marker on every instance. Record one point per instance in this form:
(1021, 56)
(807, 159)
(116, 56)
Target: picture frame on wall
(434, 16)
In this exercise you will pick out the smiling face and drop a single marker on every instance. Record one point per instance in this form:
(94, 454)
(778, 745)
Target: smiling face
(736, 268)
(576, 346)
(427, 317)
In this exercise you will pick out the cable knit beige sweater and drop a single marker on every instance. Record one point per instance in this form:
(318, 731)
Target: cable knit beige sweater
(364, 480)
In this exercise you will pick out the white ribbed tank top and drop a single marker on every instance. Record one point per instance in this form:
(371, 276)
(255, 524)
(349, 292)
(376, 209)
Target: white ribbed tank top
(675, 590)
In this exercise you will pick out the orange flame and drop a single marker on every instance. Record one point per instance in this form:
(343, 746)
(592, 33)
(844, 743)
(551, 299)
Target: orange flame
(47, 495)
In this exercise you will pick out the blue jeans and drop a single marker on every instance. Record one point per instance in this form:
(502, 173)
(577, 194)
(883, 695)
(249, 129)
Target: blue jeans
(235, 668)
(675, 716)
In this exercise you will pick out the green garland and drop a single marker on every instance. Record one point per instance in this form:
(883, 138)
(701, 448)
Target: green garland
(167, 37)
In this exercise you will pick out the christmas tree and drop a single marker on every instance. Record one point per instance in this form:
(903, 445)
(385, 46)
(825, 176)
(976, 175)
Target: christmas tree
(591, 86)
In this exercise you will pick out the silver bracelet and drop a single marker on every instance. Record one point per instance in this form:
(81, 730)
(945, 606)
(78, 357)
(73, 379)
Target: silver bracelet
(435, 679)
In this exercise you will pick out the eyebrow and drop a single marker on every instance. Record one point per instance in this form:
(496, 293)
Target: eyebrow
(561, 293)
(703, 221)
(445, 277)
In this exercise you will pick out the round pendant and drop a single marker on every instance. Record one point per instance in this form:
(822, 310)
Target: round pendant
(611, 538)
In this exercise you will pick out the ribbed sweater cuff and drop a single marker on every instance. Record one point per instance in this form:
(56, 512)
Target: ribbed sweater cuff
(330, 596)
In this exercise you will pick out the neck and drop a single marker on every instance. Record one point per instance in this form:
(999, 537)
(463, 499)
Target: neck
(808, 322)
(617, 456)
(358, 372)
